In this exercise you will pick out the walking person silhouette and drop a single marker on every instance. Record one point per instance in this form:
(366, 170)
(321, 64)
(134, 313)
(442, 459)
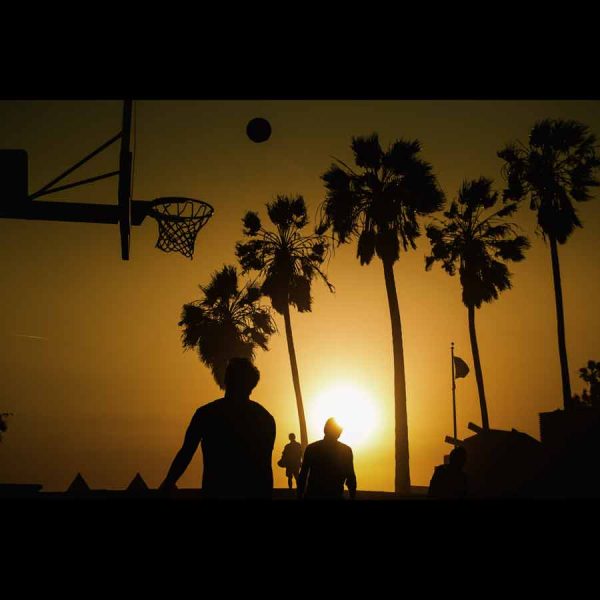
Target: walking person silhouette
(327, 465)
(237, 437)
(290, 460)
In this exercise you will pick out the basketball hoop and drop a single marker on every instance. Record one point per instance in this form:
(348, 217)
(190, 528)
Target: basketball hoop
(179, 221)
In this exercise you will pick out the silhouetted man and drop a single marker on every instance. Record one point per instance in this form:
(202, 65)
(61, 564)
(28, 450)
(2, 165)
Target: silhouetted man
(327, 465)
(450, 481)
(237, 437)
(290, 459)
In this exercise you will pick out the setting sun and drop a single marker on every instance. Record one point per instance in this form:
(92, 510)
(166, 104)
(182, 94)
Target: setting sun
(351, 407)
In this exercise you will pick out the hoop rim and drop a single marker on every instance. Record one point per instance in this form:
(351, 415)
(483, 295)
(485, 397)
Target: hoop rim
(176, 200)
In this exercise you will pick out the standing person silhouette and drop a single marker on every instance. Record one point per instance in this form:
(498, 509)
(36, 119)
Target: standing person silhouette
(450, 481)
(237, 437)
(290, 460)
(327, 465)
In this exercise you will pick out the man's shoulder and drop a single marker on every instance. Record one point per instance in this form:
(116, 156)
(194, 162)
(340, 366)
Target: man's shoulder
(345, 448)
(315, 447)
(210, 406)
(260, 409)
(310, 448)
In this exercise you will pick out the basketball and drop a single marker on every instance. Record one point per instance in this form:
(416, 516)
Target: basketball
(258, 130)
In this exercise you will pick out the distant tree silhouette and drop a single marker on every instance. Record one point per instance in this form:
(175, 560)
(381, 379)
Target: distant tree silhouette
(3, 423)
(287, 261)
(591, 375)
(554, 169)
(226, 323)
(378, 201)
(478, 243)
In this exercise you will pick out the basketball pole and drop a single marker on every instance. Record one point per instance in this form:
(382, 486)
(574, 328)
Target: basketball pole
(124, 192)
(453, 393)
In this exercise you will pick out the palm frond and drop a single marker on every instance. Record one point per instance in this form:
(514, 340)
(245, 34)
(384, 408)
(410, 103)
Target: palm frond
(227, 322)
(475, 244)
(287, 260)
(555, 169)
(400, 155)
(365, 248)
(252, 223)
(367, 151)
(379, 201)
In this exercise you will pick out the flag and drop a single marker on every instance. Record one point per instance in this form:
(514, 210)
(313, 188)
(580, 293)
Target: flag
(461, 368)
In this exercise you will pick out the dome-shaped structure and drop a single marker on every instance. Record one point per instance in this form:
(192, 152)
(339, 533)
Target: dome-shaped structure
(503, 464)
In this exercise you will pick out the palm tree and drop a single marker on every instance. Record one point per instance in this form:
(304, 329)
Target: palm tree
(378, 202)
(553, 170)
(287, 261)
(227, 322)
(478, 245)
(591, 375)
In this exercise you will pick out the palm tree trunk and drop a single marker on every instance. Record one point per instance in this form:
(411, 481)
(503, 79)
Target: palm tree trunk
(402, 470)
(295, 376)
(560, 321)
(485, 423)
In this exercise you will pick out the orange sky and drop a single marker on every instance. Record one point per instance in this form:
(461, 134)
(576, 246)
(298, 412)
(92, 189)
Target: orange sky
(110, 391)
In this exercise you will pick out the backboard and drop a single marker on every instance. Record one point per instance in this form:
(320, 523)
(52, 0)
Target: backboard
(14, 175)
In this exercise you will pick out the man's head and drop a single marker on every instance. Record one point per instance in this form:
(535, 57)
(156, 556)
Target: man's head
(292, 437)
(241, 377)
(458, 457)
(332, 429)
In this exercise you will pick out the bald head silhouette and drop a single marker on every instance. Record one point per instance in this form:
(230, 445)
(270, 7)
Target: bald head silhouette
(332, 429)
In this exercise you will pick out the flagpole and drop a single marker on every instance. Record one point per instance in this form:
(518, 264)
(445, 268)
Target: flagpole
(453, 393)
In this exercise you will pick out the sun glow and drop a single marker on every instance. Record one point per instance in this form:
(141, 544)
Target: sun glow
(351, 407)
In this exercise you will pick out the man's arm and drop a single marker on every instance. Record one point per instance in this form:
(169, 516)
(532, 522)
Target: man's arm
(351, 476)
(284, 455)
(272, 435)
(301, 481)
(184, 456)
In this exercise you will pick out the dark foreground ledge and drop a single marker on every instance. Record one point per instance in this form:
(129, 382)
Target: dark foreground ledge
(16, 490)
(34, 491)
